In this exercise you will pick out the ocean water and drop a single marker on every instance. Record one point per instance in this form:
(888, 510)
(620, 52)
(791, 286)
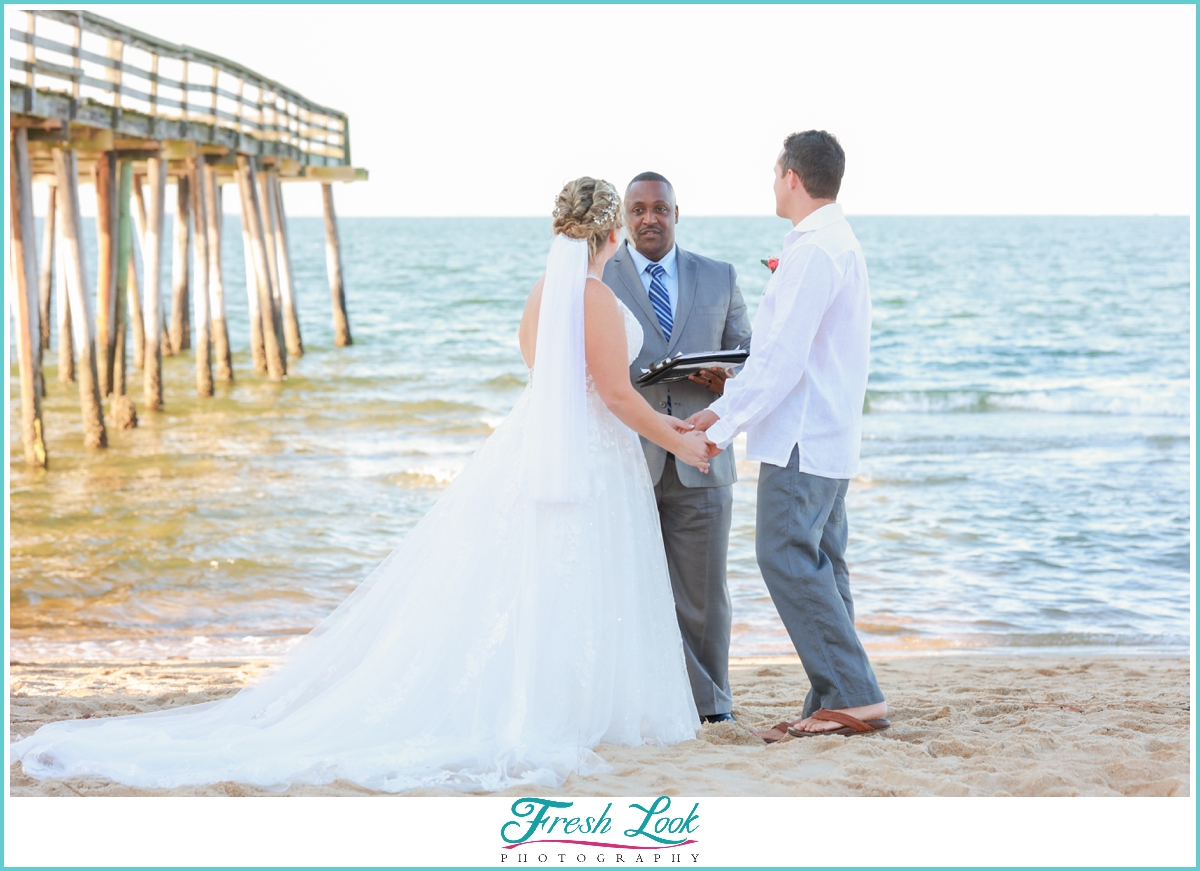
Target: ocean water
(1025, 477)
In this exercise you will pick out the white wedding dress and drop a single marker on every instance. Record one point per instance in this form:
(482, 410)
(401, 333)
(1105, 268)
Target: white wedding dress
(497, 645)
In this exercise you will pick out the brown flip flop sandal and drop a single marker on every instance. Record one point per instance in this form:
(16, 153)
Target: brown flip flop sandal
(775, 733)
(850, 725)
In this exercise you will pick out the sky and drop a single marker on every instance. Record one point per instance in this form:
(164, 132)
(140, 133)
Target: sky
(487, 110)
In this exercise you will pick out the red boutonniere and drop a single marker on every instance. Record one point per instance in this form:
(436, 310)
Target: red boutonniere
(771, 264)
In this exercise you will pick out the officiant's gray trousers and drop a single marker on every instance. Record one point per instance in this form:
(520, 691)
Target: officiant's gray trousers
(801, 548)
(695, 529)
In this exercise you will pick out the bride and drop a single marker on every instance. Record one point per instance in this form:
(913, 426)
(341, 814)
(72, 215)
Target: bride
(526, 619)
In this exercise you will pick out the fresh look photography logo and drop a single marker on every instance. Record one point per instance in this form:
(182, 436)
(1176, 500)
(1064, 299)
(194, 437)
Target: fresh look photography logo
(645, 835)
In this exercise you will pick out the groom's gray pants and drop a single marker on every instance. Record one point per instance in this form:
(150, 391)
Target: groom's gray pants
(695, 530)
(801, 548)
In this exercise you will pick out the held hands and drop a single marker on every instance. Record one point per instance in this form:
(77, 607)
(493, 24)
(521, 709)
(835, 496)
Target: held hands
(696, 450)
(680, 426)
(702, 420)
(697, 424)
(713, 379)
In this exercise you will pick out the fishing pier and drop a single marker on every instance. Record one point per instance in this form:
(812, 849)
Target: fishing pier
(95, 102)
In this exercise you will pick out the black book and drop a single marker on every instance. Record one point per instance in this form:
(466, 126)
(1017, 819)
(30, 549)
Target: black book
(679, 367)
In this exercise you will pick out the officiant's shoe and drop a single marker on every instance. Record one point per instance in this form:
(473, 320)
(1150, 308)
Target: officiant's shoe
(718, 718)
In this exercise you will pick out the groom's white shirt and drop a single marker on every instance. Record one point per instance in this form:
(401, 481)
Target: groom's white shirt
(806, 378)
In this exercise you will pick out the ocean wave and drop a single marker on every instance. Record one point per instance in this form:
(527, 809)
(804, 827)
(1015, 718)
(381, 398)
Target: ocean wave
(433, 475)
(1131, 404)
(507, 381)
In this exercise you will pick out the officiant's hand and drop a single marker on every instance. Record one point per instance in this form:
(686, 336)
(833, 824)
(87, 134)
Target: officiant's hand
(694, 450)
(680, 426)
(713, 379)
(702, 420)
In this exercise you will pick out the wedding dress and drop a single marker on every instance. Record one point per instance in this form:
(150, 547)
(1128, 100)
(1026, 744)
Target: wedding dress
(527, 618)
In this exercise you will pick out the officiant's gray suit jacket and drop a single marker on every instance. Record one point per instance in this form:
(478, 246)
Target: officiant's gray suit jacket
(710, 315)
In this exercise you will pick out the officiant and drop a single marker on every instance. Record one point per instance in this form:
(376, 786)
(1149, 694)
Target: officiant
(686, 303)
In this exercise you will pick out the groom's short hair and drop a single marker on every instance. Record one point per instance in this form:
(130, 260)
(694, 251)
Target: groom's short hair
(649, 176)
(818, 160)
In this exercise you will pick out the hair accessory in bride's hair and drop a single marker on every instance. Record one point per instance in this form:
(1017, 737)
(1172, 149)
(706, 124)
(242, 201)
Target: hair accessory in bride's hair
(605, 216)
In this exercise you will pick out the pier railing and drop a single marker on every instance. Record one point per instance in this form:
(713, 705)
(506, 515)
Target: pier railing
(81, 68)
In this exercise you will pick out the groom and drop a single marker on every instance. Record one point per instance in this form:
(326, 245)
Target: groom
(799, 399)
(685, 303)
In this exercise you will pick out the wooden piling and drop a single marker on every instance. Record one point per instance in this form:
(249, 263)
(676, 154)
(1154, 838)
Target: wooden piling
(121, 408)
(253, 212)
(214, 215)
(266, 204)
(62, 304)
(23, 258)
(257, 349)
(333, 264)
(66, 170)
(107, 265)
(204, 380)
(134, 296)
(46, 276)
(267, 218)
(156, 171)
(180, 330)
(140, 229)
(291, 321)
(133, 300)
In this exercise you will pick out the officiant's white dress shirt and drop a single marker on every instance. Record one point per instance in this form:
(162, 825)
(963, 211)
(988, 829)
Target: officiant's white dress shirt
(670, 280)
(806, 378)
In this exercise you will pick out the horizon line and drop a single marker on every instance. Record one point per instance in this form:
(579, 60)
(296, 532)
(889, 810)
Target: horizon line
(848, 214)
(90, 213)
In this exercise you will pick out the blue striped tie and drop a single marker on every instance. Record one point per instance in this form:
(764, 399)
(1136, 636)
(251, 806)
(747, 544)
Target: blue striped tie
(660, 300)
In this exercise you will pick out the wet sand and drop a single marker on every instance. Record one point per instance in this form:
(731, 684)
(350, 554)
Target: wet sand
(962, 725)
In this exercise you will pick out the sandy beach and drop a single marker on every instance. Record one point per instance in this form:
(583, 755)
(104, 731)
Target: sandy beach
(979, 724)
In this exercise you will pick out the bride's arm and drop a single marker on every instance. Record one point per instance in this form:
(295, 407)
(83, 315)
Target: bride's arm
(607, 352)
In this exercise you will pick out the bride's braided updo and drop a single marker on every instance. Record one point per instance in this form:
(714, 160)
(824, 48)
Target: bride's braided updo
(588, 208)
